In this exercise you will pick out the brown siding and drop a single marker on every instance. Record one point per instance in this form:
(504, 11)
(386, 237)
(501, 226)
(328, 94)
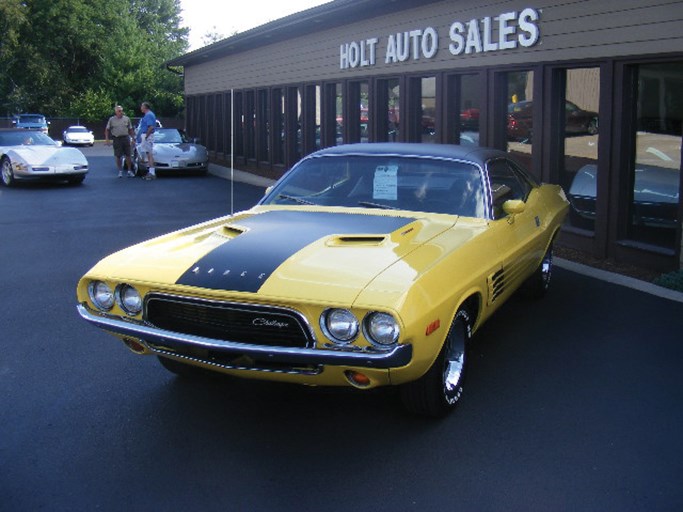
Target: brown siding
(569, 30)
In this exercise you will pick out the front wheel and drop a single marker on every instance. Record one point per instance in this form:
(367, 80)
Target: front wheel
(438, 391)
(6, 172)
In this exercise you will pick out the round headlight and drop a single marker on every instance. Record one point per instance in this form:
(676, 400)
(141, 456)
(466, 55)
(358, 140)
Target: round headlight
(101, 295)
(129, 299)
(381, 328)
(339, 325)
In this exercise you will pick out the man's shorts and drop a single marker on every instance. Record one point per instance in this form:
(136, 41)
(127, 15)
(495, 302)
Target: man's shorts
(122, 146)
(147, 143)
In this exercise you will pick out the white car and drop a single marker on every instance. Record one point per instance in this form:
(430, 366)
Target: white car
(78, 136)
(32, 155)
(173, 151)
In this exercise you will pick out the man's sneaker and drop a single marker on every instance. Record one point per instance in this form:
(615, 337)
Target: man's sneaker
(149, 177)
(131, 174)
(120, 174)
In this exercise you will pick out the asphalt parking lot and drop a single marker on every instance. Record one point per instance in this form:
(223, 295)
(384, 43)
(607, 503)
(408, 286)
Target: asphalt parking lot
(572, 403)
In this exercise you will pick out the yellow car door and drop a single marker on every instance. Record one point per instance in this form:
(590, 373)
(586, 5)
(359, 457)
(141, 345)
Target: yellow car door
(516, 227)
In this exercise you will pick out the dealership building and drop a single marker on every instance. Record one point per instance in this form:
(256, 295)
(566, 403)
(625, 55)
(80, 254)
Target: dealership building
(584, 93)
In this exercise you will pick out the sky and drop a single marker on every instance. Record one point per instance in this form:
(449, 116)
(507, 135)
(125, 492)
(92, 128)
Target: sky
(226, 17)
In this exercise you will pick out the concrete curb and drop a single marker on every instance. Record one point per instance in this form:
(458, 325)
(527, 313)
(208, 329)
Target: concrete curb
(619, 279)
(603, 275)
(240, 176)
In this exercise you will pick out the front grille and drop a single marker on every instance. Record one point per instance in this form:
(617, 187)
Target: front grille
(241, 323)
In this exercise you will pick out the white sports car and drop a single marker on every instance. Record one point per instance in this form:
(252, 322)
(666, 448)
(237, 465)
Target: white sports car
(78, 136)
(173, 151)
(32, 155)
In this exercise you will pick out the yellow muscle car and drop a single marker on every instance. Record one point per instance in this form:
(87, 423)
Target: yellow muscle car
(366, 265)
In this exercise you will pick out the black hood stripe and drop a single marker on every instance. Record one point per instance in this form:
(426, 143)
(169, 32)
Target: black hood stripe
(245, 262)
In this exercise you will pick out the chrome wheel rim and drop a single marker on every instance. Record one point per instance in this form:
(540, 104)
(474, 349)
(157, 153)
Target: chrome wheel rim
(454, 363)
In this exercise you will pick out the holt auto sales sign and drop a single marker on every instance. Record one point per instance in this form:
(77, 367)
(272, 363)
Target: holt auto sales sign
(506, 31)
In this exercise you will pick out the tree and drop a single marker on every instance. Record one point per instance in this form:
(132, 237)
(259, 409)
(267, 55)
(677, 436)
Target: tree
(80, 57)
(212, 36)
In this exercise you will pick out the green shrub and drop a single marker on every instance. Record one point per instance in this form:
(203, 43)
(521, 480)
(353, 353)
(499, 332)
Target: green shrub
(672, 280)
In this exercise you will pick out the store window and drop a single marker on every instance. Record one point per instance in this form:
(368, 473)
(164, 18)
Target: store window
(318, 116)
(238, 116)
(227, 123)
(278, 126)
(364, 114)
(519, 129)
(358, 101)
(393, 110)
(464, 108)
(428, 109)
(339, 113)
(249, 122)
(219, 119)
(263, 126)
(388, 110)
(656, 167)
(579, 110)
(299, 124)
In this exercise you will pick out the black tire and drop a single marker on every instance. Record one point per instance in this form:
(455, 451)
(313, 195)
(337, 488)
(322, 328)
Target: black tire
(438, 391)
(538, 284)
(6, 171)
(180, 369)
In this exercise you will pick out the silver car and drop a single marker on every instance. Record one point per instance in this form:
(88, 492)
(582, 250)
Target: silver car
(32, 155)
(173, 151)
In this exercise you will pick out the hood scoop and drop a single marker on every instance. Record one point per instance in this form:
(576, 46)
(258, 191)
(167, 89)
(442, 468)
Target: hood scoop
(356, 240)
(231, 231)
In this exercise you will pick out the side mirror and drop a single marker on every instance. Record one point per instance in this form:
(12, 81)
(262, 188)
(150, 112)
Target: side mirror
(514, 206)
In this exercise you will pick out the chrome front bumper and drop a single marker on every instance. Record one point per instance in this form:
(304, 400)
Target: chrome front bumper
(160, 341)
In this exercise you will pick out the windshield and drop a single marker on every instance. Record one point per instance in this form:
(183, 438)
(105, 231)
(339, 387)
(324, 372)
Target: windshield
(77, 129)
(168, 136)
(25, 138)
(32, 119)
(388, 182)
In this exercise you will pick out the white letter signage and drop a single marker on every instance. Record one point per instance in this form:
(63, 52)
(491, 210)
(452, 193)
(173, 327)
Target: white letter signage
(507, 31)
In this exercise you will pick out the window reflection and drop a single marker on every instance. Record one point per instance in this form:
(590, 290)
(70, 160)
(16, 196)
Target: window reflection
(340, 114)
(318, 101)
(364, 112)
(470, 94)
(655, 171)
(393, 102)
(428, 107)
(518, 122)
(580, 166)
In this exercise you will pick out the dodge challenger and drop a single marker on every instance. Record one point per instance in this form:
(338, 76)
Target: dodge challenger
(365, 265)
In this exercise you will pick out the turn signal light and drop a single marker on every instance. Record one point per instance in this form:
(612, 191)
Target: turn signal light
(357, 379)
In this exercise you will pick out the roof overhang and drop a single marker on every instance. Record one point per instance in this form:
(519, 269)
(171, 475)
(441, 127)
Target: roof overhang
(322, 17)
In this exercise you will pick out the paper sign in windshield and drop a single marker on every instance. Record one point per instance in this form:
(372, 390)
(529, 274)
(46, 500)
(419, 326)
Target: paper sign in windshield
(385, 185)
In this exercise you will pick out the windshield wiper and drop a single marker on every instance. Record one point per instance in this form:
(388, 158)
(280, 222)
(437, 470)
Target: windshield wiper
(296, 199)
(376, 205)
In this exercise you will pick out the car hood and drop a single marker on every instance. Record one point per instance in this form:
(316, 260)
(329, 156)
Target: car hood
(652, 184)
(48, 155)
(306, 255)
(182, 150)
